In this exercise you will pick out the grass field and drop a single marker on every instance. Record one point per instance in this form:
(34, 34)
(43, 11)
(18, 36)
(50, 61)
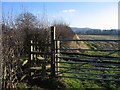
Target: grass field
(102, 37)
(101, 45)
(57, 83)
(77, 83)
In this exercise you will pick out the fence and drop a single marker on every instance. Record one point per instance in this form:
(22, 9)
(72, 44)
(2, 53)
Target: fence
(88, 67)
(84, 64)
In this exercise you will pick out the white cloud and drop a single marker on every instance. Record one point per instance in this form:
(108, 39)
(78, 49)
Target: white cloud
(69, 10)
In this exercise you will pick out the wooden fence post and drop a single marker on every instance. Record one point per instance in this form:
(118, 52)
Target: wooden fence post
(53, 51)
(57, 55)
(29, 48)
(43, 68)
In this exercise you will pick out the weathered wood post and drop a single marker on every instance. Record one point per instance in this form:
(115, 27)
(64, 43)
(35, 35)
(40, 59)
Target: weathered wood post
(57, 55)
(29, 48)
(43, 69)
(52, 51)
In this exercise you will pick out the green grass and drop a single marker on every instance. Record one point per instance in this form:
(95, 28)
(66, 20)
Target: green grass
(91, 84)
(77, 83)
(67, 83)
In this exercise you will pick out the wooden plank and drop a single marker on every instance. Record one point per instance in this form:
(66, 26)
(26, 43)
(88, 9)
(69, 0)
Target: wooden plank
(99, 56)
(80, 68)
(88, 49)
(37, 44)
(41, 53)
(104, 79)
(94, 60)
(87, 40)
(62, 72)
(93, 63)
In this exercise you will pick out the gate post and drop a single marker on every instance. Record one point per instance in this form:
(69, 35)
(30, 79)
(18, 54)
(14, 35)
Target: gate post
(52, 51)
(57, 56)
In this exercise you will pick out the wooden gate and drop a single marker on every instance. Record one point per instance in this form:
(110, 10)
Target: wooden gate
(41, 56)
(88, 64)
(84, 64)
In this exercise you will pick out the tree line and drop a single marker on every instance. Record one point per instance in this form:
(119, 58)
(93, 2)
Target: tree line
(99, 32)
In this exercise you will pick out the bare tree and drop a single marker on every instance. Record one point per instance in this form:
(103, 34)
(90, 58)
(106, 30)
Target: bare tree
(12, 47)
(26, 20)
(14, 39)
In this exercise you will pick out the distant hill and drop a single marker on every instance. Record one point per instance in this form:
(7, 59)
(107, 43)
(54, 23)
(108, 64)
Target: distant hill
(77, 30)
(89, 31)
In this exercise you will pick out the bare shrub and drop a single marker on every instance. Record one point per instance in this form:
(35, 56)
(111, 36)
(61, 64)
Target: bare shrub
(15, 43)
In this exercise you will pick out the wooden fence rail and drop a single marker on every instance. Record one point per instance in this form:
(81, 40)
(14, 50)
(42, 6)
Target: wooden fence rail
(62, 62)
(74, 65)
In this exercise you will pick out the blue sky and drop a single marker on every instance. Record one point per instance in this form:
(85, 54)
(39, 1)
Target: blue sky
(100, 15)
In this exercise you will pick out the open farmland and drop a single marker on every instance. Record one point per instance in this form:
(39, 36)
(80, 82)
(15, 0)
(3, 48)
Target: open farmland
(76, 65)
(101, 45)
(105, 37)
